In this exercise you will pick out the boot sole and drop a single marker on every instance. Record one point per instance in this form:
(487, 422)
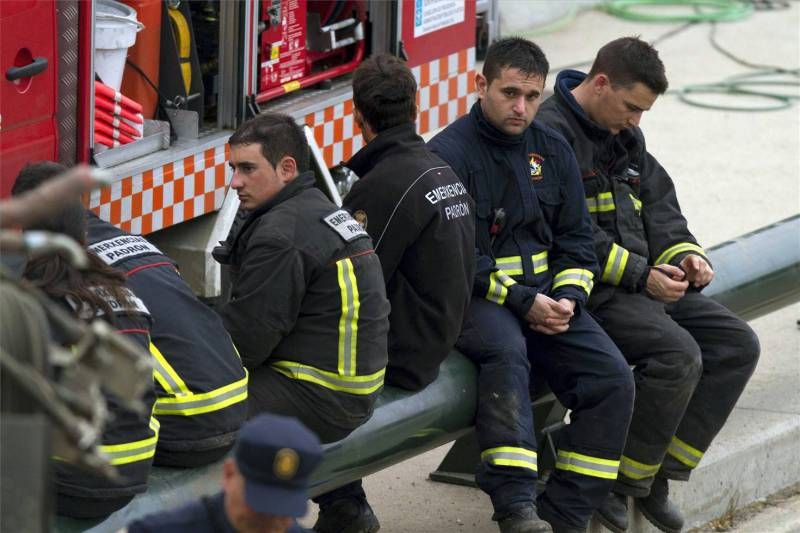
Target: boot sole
(608, 524)
(370, 528)
(656, 523)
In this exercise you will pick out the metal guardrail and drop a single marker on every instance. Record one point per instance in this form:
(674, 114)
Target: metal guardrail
(755, 274)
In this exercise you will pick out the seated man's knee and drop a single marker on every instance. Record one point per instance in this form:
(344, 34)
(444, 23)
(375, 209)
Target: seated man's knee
(745, 347)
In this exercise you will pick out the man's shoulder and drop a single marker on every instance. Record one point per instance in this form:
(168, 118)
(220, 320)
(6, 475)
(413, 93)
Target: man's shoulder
(450, 136)
(550, 138)
(191, 518)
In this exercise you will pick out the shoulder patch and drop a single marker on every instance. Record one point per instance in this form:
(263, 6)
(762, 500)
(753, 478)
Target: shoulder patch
(134, 304)
(345, 225)
(117, 249)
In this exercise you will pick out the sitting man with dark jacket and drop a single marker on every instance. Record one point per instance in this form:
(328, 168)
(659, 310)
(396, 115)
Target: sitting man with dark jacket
(308, 310)
(420, 217)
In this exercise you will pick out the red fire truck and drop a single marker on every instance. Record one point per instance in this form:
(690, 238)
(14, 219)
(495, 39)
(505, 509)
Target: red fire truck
(200, 68)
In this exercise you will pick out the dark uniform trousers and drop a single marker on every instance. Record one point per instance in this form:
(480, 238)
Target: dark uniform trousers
(692, 360)
(587, 374)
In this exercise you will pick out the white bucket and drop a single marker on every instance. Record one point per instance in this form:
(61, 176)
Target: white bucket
(115, 31)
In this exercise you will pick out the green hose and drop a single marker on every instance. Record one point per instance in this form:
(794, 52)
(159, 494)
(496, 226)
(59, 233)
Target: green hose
(697, 10)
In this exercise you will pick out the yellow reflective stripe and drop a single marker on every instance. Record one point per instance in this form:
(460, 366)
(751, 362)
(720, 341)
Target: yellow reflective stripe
(195, 404)
(363, 385)
(574, 276)
(601, 203)
(637, 204)
(510, 456)
(672, 251)
(636, 470)
(615, 265)
(587, 465)
(348, 322)
(499, 282)
(166, 376)
(684, 453)
(510, 265)
(131, 452)
(539, 262)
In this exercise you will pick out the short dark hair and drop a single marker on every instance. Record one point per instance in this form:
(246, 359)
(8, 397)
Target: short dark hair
(630, 60)
(70, 218)
(385, 92)
(514, 52)
(279, 136)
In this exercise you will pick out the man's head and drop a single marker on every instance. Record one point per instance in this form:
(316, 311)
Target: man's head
(70, 218)
(384, 94)
(511, 85)
(625, 79)
(265, 483)
(267, 152)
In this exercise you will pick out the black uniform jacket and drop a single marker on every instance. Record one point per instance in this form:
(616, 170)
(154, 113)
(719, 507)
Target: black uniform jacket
(200, 382)
(420, 218)
(544, 241)
(635, 214)
(307, 294)
(129, 438)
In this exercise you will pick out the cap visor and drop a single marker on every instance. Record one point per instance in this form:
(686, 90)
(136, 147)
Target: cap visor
(279, 501)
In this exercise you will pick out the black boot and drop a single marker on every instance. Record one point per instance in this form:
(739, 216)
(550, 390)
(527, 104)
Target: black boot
(613, 514)
(522, 519)
(347, 515)
(657, 508)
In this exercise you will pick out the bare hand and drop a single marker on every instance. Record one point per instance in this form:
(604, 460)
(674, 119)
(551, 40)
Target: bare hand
(549, 316)
(697, 269)
(666, 283)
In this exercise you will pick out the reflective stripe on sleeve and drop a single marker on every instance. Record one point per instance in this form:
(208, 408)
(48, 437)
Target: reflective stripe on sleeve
(601, 203)
(672, 251)
(499, 282)
(362, 385)
(165, 375)
(587, 465)
(684, 453)
(207, 402)
(575, 276)
(348, 322)
(539, 262)
(635, 469)
(510, 456)
(615, 265)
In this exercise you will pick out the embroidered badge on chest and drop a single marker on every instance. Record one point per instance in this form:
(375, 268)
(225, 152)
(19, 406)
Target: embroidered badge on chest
(361, 217)
(536, 161)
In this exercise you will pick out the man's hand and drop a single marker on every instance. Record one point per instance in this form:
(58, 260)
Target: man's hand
(666, 283)
(697, 269)
(549, 316)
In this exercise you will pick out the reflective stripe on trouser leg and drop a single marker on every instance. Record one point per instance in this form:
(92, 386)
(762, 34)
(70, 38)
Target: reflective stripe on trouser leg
(587, 465)
(684, 453)
(510, 456)
(637, 470)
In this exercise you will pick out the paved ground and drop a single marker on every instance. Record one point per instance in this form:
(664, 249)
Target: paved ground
(734, 172)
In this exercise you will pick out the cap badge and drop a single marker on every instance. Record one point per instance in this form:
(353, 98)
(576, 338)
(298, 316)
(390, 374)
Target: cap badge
(286, 463)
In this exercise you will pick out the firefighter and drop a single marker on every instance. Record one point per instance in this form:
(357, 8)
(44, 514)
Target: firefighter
(535, 271)
(692, 356)
(308, 310)
(201, 386)
(415, 209)
(129, 438)
(264, 484)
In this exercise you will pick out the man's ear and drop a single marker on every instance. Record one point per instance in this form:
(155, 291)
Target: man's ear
(600, 83)
(228, 472)
(358, 118)
(481, 85)
(287, 168)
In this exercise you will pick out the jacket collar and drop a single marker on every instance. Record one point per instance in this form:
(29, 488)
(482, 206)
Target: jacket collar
(488, 131)
(391, 140)
(565, 82)
(302, 182)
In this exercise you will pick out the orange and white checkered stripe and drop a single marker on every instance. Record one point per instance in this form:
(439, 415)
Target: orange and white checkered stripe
(195, 185)
(445, 93)
(168, 194)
